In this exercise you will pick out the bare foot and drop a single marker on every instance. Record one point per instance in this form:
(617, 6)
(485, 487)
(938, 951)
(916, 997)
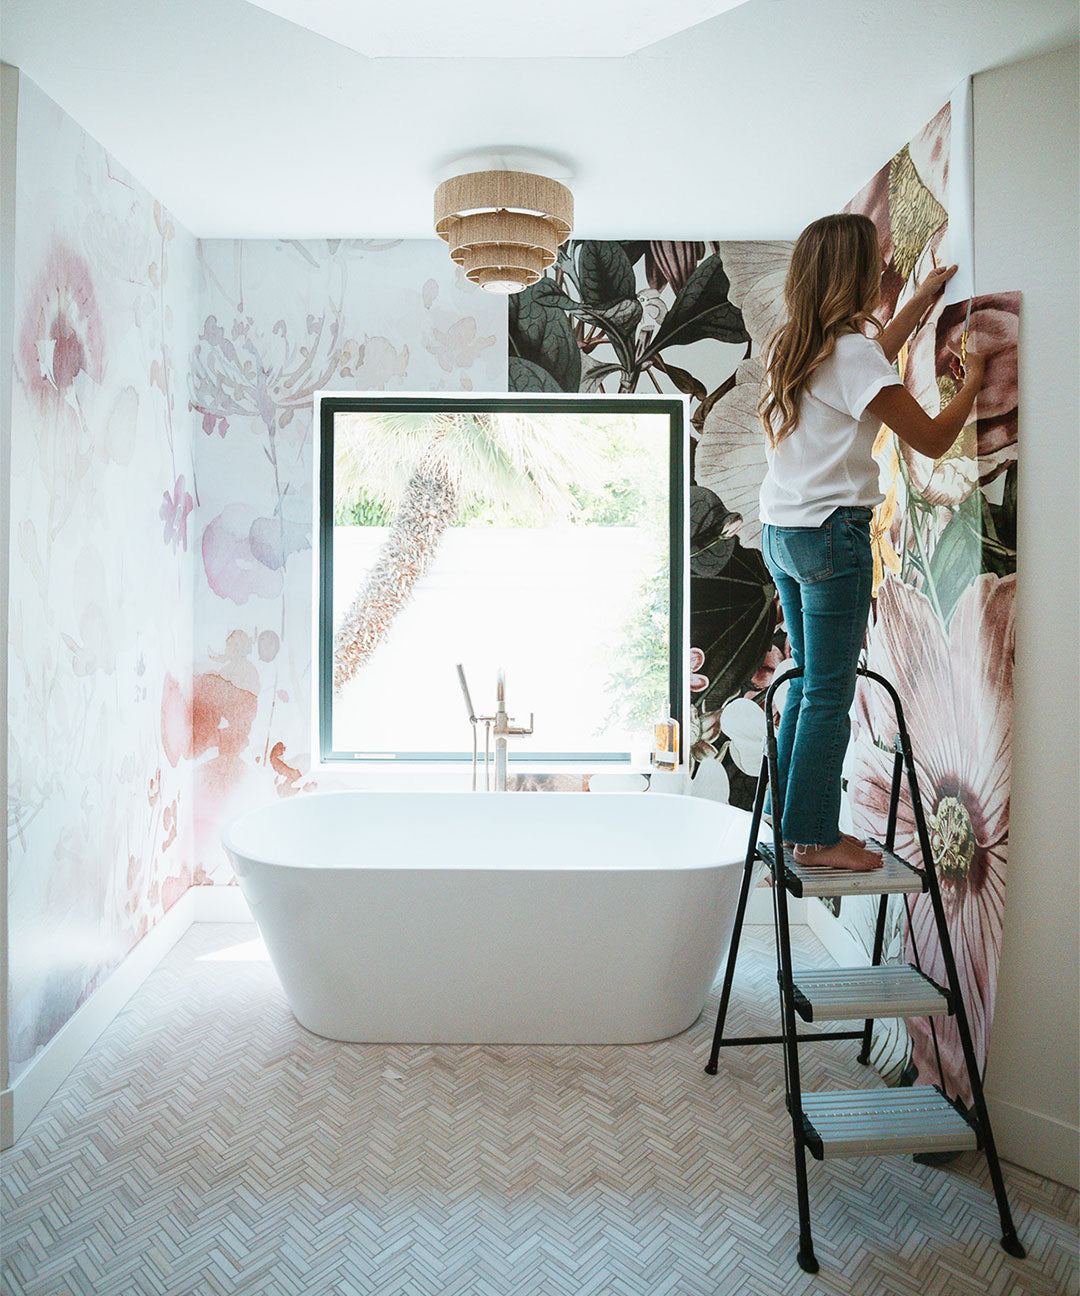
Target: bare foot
(846, 854)
(859, 841)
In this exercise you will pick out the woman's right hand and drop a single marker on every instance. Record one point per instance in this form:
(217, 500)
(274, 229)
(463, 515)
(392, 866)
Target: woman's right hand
(974, 369)
(971, 369)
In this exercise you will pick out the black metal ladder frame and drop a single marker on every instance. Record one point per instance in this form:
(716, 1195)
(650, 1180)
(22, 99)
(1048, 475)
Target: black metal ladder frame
(903, 763)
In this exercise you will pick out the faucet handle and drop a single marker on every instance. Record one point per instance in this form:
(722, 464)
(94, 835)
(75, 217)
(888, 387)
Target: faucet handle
(513, 729)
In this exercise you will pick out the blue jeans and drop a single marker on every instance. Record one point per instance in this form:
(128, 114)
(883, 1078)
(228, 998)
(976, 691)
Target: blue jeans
(824, 576)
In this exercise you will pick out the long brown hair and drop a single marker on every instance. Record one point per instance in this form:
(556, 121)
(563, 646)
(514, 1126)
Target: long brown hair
(833, 284)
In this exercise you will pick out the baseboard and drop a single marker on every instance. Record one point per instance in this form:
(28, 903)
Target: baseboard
(7, 1118)
(51, 1065)
(1035, 1141)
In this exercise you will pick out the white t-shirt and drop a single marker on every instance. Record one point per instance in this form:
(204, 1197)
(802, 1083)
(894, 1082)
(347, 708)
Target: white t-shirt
(827, 461)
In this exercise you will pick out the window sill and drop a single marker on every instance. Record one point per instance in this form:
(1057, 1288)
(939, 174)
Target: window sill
(434, 776)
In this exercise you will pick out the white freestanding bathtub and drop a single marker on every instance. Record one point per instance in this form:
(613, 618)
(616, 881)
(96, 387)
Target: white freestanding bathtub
(510, 918)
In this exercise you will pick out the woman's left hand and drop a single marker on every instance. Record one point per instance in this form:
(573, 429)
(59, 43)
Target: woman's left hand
(935, 282)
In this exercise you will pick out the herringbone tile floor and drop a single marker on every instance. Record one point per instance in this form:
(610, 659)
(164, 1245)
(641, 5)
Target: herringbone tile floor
(208, 1144)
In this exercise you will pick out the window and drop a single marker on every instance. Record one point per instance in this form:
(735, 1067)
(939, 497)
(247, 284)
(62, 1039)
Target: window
(541, 534)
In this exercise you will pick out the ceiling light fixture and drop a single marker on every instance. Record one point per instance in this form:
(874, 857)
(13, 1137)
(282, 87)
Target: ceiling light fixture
(503, 225)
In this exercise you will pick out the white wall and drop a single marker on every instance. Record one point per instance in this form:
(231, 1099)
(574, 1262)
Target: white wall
(9, 93)
(1027, 236)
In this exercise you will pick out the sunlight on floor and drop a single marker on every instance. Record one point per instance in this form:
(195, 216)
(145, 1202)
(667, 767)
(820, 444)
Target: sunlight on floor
(252, 951)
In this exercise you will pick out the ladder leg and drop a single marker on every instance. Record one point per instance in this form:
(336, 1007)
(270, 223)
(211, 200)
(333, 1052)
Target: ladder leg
(883, 903)
(879, 941)
(1009, 1241)
(740, 912)
(806, 1259)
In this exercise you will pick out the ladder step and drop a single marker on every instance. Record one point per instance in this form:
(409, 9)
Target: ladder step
(873, 1122)
(844, 994)
(894, 876)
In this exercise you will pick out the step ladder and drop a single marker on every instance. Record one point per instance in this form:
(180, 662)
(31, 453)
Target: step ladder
(860, 1122)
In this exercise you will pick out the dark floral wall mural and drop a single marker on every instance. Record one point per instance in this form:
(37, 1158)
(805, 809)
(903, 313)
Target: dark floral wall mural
(662, 317)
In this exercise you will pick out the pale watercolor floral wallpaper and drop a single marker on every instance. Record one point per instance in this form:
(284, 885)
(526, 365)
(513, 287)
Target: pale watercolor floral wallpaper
(277, 322)
(102, 492)
(161, 536)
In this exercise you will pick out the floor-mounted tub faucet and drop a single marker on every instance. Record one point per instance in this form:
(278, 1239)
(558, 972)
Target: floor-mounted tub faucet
(503, 729)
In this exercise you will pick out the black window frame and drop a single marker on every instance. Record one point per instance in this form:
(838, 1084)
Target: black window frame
(329, 404)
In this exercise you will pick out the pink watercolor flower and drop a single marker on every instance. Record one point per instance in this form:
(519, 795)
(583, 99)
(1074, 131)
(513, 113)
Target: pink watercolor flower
(211, 423)
(61, 334)
(956, 687)
(698, 683)
(174, 513)
(176, 733)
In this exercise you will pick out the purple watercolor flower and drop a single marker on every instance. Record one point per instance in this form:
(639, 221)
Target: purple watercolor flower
(233, 567)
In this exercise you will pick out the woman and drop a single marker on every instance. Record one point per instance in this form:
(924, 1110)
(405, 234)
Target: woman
(829, 387)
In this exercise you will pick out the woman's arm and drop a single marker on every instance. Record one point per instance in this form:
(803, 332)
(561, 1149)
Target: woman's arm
(900, 411)
(893, 336)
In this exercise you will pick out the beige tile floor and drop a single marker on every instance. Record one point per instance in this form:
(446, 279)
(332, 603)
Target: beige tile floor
(208, 1144)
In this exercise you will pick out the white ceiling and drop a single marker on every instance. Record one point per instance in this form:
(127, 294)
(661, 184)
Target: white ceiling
(495, 28)
(747, 124)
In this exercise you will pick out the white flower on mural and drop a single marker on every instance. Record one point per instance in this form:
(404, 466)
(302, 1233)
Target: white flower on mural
(730, 457)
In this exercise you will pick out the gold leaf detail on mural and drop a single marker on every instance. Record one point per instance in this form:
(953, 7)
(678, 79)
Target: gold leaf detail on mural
(914, 213)
(966, 444)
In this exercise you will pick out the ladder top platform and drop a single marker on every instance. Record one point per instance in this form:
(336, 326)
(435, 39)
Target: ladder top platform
(894, 876)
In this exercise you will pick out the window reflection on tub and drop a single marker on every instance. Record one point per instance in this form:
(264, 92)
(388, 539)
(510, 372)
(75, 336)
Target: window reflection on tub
(519, 535)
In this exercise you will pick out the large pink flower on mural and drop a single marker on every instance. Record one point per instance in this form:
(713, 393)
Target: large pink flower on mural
(61, 335)
(956, 688)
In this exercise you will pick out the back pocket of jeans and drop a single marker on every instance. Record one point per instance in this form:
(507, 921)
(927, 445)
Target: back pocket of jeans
(807, 551)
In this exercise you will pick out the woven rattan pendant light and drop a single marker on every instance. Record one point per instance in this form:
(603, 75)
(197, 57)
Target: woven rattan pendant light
(503, 227)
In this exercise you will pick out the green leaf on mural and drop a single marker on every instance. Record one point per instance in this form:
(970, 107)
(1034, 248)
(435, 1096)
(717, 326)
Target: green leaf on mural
(546, 292)
(956, 559)
(605, 275)
(701, 310)
(542, 334)
(732, 619)
(527, 376)
(999, 529)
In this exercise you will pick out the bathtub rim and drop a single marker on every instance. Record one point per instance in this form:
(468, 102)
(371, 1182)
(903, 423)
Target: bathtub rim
(674, 864)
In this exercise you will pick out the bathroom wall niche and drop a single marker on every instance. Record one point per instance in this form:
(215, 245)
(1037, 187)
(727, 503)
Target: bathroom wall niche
(538, 533)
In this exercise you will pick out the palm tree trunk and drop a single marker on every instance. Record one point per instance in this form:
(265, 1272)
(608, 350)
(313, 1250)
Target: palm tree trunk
(428, 506)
